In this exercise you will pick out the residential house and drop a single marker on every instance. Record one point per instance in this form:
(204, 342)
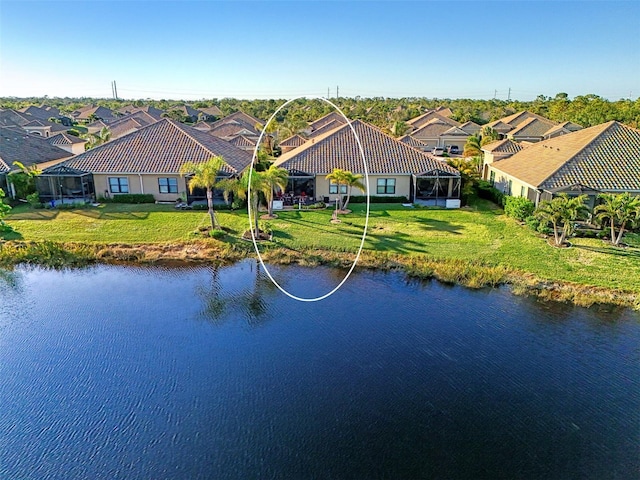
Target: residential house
(147, 160)
(394, 168)
(189, 114)
(41, 113)
(530, 127)
(93, 113)
(244, 143)
(562, 129)
(414, 142)
(602, 158)
(498, 150)
(44, 128)
(72, 144)
(209, 114)
(292, 142)
(16, 145)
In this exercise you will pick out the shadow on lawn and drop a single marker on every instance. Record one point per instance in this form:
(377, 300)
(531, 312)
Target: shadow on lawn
(34, 215)
(12, 235)
(430, 224)
(102, 215)
(628, 252)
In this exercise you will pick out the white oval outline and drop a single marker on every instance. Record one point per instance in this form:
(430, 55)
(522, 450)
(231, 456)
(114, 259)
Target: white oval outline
(366, 221)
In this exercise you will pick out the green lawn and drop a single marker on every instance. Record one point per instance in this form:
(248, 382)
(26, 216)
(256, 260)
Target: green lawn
(479, 233)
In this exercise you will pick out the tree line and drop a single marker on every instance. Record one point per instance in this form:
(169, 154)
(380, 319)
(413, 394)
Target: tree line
(585, 110)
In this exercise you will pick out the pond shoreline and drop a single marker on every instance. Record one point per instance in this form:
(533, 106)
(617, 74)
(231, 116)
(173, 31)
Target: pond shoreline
(451, 271)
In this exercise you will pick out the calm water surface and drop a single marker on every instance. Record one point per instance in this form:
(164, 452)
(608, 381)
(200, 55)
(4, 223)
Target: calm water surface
(131, 373)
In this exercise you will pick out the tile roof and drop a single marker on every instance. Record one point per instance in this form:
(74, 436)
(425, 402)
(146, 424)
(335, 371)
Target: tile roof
(339, 149)
(446, 111)
(242, 117)
(293, 141)
(502, 146)
(186, 110)
(65, 139)
(456, 132)
(18, 145)
(232, 129)
(326, 127)
(471, 127)
(500, 126)
(328, 118)
(213, 111)
(532, 127)
(562, 128)
(123, 127)
(434, 128)
(38, 112)
(100, 112)
(54, 127)
(203, 126)
(11, 117)
(413, 142)
(604, 157)
(242, 141)
(427, 117)
(162, 147)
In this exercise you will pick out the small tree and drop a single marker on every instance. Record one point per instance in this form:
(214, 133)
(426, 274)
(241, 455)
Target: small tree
(338, 176)
(24, 181)
(473, 147)
(4, 210)
(619, 210)
(561, 212)
(518, 207)
(205, 175)
(240, 188)
(274, 177)
(352, 180)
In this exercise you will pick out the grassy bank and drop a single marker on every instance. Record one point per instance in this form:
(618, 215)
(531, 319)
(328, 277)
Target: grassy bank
(473, 246)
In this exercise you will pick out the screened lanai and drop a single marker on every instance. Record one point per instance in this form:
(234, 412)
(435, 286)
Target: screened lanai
(62, 184)
(436, 186)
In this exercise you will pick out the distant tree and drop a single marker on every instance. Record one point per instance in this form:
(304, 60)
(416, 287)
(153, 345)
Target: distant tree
(399, 128)
(561, 212)
(620, 211)
(205, 175)
(96, 139)
(272, 178)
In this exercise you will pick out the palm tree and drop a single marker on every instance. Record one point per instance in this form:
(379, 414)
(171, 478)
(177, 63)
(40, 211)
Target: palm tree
(205, 175)
(96, 139)
(619, 209)
(489, 135)
(352, 180)
(399, 128)
(274, 177)
(339, 178)
(473, 147)
(561, 212)
(240, 188)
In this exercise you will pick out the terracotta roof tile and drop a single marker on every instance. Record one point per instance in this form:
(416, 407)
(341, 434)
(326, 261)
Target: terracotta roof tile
(413, 142)
(327, 127)
(18, 145)
(65, 139)
(427, 117)
(328, 118)
(502, 146)
(161, 147)
(339, 149)
(293, 141)
(532, 127)
(604, 157)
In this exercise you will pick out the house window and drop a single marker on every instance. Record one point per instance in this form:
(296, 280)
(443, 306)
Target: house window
(118, 184)
(509, 188)
(522, 191)
(492, 177)
(333, 188)
(168, 185)
(386, 186)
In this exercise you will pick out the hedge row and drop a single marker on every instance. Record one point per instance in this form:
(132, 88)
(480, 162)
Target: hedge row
(130, 198)
(377, 199)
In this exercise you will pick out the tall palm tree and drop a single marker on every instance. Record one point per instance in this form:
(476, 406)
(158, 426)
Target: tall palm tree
(619, 210)
(274, 177)
(339, 178)
(352, 180)
(240, 188)
(562, 211)
(473, 147)
(205, 175)
(96, 139)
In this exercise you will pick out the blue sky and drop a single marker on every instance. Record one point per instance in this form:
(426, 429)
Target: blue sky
(212, 49)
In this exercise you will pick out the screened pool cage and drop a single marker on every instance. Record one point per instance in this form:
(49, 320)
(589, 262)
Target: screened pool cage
(65, 185)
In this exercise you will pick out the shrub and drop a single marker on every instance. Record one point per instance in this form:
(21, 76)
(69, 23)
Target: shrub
(34, 200)
(217, 234)
(130, 198)
(532, 222)
(489, 192)
(518, 207)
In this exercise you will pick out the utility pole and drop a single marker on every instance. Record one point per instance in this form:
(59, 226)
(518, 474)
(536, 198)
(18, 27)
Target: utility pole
(509, 96)
(328, 94)
(337, 91)
(495, 93)
(115, 89)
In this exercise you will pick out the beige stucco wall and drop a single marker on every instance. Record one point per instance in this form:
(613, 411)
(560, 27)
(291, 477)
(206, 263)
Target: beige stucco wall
(403, 185)
(501, 182)
(145, 183)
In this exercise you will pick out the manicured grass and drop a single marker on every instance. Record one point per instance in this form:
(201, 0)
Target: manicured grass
(479, 233)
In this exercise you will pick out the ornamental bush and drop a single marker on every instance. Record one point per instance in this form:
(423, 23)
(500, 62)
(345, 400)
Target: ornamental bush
(518, 207)
(130, 198)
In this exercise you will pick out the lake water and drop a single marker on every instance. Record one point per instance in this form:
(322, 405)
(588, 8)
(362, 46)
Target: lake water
(149, 373)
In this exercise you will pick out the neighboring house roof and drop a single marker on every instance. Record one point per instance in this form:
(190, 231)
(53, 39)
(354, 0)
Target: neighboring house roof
(162, 147)
(434, 128)
(456, 132)
(241, 117)
(186, 110)
(232, 129)
(429, 116)
(532, 127)
(11, 117)
(335, 117)
(293, 141)
(502, 146)
(446, 111)
(605, 157)
(54, 127)
(100, 112)
(123, 127)
(242, 141)
(204, 126)
(471, 127)
(562, 129)
(327, 127)
(413, 142)
(213, 111)
(500, 126)
(339, 149)
(39, 112)
(65, 139)
(153, 112)
(18, 145)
